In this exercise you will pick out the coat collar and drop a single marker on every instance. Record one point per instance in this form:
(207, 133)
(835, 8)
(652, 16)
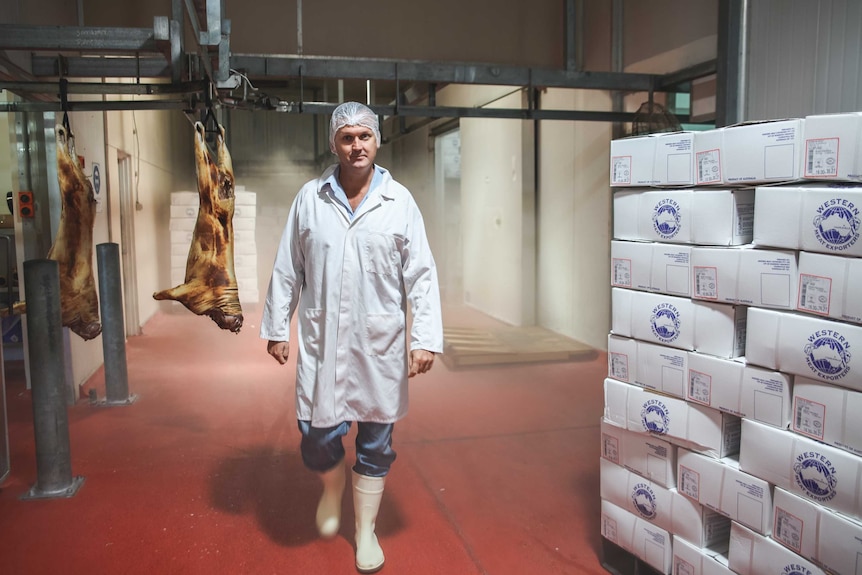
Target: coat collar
(386, 191)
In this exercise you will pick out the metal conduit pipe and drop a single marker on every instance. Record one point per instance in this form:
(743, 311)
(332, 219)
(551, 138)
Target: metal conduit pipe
(47, 353)
(113, 329)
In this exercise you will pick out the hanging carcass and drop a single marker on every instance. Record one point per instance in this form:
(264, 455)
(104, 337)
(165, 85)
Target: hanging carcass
(210, 286)
(73, 244)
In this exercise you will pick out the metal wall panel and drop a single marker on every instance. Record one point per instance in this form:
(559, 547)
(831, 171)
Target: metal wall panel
(805, 57)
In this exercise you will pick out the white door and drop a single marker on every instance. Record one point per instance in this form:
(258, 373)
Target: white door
(127, 243)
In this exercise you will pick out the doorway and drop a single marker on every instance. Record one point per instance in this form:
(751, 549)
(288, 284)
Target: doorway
(128, 206)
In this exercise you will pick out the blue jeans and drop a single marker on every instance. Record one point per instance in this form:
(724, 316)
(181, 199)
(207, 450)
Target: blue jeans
(322, 448)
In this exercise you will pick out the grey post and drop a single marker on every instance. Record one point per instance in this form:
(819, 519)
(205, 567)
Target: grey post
(113, 329)
(47, 374)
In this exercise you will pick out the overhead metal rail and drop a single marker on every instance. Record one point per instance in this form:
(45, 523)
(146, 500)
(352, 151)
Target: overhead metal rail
(162, 70)
(296, 67)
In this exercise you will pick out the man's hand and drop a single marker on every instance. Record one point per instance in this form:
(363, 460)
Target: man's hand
(280, 350)
(420, 362)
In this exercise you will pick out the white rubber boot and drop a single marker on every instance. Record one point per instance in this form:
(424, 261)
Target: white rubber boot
(329, 508)
(367, 493)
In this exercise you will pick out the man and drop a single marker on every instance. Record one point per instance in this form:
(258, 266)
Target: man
(353, 253)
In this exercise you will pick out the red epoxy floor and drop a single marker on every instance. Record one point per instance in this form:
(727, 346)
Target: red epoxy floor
(497, 469)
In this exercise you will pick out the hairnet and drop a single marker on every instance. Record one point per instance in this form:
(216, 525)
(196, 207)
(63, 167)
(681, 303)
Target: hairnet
(352, 114)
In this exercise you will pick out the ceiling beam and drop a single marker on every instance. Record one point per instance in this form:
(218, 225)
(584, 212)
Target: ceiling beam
(106, 88)
(317, 108)
(77, 38)
(281, 66)
(101, 67)
(95, 106)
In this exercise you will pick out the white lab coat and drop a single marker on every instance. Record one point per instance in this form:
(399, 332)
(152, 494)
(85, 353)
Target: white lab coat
(351, 281)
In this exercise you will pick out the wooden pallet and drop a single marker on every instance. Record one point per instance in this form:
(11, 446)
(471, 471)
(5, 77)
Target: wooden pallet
(618, 561)
(506, 345)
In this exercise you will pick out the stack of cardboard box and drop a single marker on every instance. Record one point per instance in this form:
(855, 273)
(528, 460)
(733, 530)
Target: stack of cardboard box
(184, 214)
(245, 245)
(735, 317)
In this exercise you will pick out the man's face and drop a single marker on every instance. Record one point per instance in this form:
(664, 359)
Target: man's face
(355, 146)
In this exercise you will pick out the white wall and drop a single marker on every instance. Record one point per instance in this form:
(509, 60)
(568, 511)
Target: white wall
(574, 220)
(805, 57)
(493, 212)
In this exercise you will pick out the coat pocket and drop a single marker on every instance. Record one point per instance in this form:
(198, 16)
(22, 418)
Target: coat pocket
(381, 256)
(384, 334)
(312, 330)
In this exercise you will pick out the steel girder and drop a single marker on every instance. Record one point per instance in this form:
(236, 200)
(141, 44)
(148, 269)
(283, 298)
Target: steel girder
(157, 54)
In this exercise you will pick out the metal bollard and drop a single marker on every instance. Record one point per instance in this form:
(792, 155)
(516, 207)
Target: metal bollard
(47, 373)
(113, 328)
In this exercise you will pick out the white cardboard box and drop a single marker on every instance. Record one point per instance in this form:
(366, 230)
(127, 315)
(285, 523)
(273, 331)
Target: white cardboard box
(662, 506)
(185, 199)
(833, 147)
(646, 541)
(753, 554)
(245, 272)
(808, 468)
(720, 485)
(701, 216)
(828, 413)
(182, 224)
(643, 454)
(184, 211)
(744, 275)
(708, 158)
(739, 389)
(244, 284)
(247, 247)
(761, 152)
(623, 358)
(674, 159)
(244, 198)
(805, 345)
(244, 260)
(244, 236)
(714, 328)
(249, 296)
(685, 424)
(813, 531)
(243, 223)
(664, 159)
(656, 367)
(650, 266)
(829, 286)
(182, 237)
(822, 218)
(632, 161)
(244, 211)
(690, 559)
(178, 276)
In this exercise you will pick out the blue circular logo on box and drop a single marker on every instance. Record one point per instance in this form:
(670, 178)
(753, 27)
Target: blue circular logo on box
(666, 218)
(837, 224)
(828, 354)
(643, 500)
(816, 476)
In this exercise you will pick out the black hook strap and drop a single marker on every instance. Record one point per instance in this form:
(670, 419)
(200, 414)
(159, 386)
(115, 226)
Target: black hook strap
(208, 118)
(64, 102)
